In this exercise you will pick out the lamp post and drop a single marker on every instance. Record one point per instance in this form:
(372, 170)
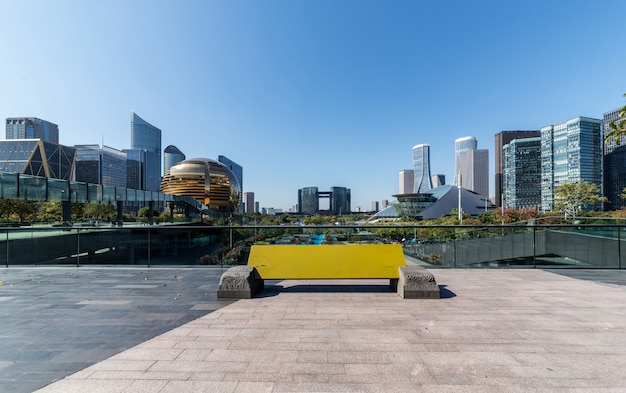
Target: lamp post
(460, 208)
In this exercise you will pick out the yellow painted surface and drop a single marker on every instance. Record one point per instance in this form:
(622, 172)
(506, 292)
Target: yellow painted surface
(322, 261)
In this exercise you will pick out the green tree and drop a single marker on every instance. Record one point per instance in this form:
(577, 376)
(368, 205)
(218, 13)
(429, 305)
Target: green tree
(143, 212)
(571, 198)
(100, 211)
(618, 126)
(50, 211)
(6, 208)
(78, 210)
(24, 209)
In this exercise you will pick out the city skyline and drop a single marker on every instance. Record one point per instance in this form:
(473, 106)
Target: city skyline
(310, 92)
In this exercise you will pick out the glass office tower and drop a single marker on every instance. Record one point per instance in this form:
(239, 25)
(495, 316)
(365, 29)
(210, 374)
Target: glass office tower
(31, 128)
(144, 136)
(237, 170)
(614, 164)
(521, 168)
(571, 151)
(171, 155)
(504, 138)
(105, 166)
(340, 200)
(421, 169)
(308, 200)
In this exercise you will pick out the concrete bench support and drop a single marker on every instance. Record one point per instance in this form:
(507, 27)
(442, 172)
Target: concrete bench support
(415, 282)
(239, 282)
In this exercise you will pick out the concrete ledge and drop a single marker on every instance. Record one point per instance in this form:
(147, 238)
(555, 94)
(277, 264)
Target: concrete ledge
(415, 282)
(239, 282)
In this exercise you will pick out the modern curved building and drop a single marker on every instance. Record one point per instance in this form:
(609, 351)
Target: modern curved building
(421, 165)
(171, 155)
(437, 203)
(207, 181)
(145, 154)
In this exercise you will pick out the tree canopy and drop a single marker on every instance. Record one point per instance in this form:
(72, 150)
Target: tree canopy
(571, 198)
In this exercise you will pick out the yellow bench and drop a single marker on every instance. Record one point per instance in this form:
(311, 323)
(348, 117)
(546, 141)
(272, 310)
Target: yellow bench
(324, 261)
(340, 261)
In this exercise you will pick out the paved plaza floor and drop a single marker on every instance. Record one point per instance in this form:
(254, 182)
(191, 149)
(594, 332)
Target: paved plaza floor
(494, 330)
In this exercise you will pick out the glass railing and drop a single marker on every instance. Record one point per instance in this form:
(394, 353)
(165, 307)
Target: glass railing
(519, 246)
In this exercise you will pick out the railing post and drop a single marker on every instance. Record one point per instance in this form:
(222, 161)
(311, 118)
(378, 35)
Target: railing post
(619, 248)
(7, 262)
(149, 247)
(78, 247)
(534, 246)
(455, 250)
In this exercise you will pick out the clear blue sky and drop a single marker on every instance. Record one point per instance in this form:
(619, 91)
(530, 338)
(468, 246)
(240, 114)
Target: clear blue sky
(311, 93)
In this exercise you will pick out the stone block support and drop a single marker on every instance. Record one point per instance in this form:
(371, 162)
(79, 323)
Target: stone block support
(239, 282)
(415, 282)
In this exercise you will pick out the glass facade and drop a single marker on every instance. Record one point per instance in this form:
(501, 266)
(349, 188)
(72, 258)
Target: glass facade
(522, 173)
(88, 163)
(421, 169)
(113, 167)
(615, 178)
(570, 152)
(38, 158)
(340, 200)
(106, 166)
(171, 155)
(144, 136)
(504, 138)
(205, 180)
(237, 170)
(31, 128)
(308, 200)
(135, 168)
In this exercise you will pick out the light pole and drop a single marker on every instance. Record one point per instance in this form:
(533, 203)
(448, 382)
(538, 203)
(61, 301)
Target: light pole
(460, 208)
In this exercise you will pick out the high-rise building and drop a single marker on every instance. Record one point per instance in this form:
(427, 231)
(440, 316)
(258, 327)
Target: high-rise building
(474, 170)
(375, 206)
(340, 200)
(31, 128)
(105, 166)
(504, 138)
(521, 170)
(248, 198)
(171, 155)
(571, 152)
(237, 170)
(407, 179)
(38, 158)
(614, 164)
(147, 138)
(438, 180)
(421, 169)
(308, 200)
(462, 145)
(384, 204)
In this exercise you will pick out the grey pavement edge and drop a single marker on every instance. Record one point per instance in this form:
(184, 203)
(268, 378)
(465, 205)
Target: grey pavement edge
(57, 321)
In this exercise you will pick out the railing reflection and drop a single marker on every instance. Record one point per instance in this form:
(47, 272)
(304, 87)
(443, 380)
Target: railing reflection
(491, 246)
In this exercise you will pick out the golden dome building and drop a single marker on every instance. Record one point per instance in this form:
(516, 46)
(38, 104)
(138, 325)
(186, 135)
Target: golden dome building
(208, 181)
